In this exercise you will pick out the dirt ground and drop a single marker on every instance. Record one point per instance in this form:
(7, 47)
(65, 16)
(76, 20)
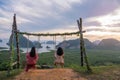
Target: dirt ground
(49, 74)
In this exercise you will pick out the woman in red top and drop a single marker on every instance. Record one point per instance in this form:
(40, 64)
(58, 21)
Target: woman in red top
(31, 59)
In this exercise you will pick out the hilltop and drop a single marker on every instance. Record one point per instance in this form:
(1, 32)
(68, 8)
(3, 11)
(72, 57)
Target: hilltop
(109, 43)
(75, 43)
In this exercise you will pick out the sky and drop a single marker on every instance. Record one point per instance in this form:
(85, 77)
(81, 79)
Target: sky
(101, 18)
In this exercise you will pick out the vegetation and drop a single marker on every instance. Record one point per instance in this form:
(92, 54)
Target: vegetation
(72, 57)
(4, 60)
(102, 62)
(3, 48)
(4, 75)
(99, 72)
(95, 57)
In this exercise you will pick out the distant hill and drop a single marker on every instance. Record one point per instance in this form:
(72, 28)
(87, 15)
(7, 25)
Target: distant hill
(72, 44)
(109, 44)
(22, 41)
(0, 40)
(50, 42)
(105, 44)
(96, 42)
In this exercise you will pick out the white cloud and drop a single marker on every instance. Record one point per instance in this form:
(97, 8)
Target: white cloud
(109, 19)
(66, 29)
(29, 11)
(41, 8)
(107, 28)
(65, 4)
(6, 19)
(102, 29)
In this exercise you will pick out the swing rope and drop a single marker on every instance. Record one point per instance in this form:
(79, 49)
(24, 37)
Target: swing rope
(54, 42)
(64, 40)
(28, 44)
(38, 44)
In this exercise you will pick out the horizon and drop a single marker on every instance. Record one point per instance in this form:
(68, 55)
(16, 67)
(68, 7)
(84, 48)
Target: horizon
(101, 19)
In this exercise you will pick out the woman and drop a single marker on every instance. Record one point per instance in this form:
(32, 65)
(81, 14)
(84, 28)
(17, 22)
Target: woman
(31, 59)
(59, 57)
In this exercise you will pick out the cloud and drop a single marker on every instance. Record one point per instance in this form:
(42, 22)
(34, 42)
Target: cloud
(41, 13)
(104, 35)
(57, 15)
(108, 19)
(53, 13)
(103, 29)
(41, 8)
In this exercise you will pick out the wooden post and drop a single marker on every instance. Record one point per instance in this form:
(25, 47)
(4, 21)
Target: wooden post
(17, 42)
(81, 48)
(82, 45)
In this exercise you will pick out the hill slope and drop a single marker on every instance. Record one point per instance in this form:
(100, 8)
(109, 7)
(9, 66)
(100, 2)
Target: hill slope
(74, 44)
(23, 41)
(109, 44)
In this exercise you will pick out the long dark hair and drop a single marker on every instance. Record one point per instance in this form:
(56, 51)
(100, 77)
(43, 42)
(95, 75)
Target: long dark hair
(32, 52)
(60, 51)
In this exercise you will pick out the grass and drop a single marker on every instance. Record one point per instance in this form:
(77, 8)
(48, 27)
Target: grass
(4, 74)
(103, 57)
(99, 72)
(105, 73)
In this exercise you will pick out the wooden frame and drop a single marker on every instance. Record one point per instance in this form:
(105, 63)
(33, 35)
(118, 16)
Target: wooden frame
(82, 47)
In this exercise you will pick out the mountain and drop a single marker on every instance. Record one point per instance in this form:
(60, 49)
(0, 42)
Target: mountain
(72, 44)
(96, 42)
(105, 44)
(109, 43)
(0, 40)
(23, 41)
(50, 42)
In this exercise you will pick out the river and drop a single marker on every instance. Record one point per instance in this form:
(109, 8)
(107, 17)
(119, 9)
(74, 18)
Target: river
(40, 50)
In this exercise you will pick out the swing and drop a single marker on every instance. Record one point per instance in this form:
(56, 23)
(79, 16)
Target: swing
(79, 22)
(59, 53)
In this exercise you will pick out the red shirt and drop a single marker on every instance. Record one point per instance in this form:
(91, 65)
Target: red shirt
(31, 60)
